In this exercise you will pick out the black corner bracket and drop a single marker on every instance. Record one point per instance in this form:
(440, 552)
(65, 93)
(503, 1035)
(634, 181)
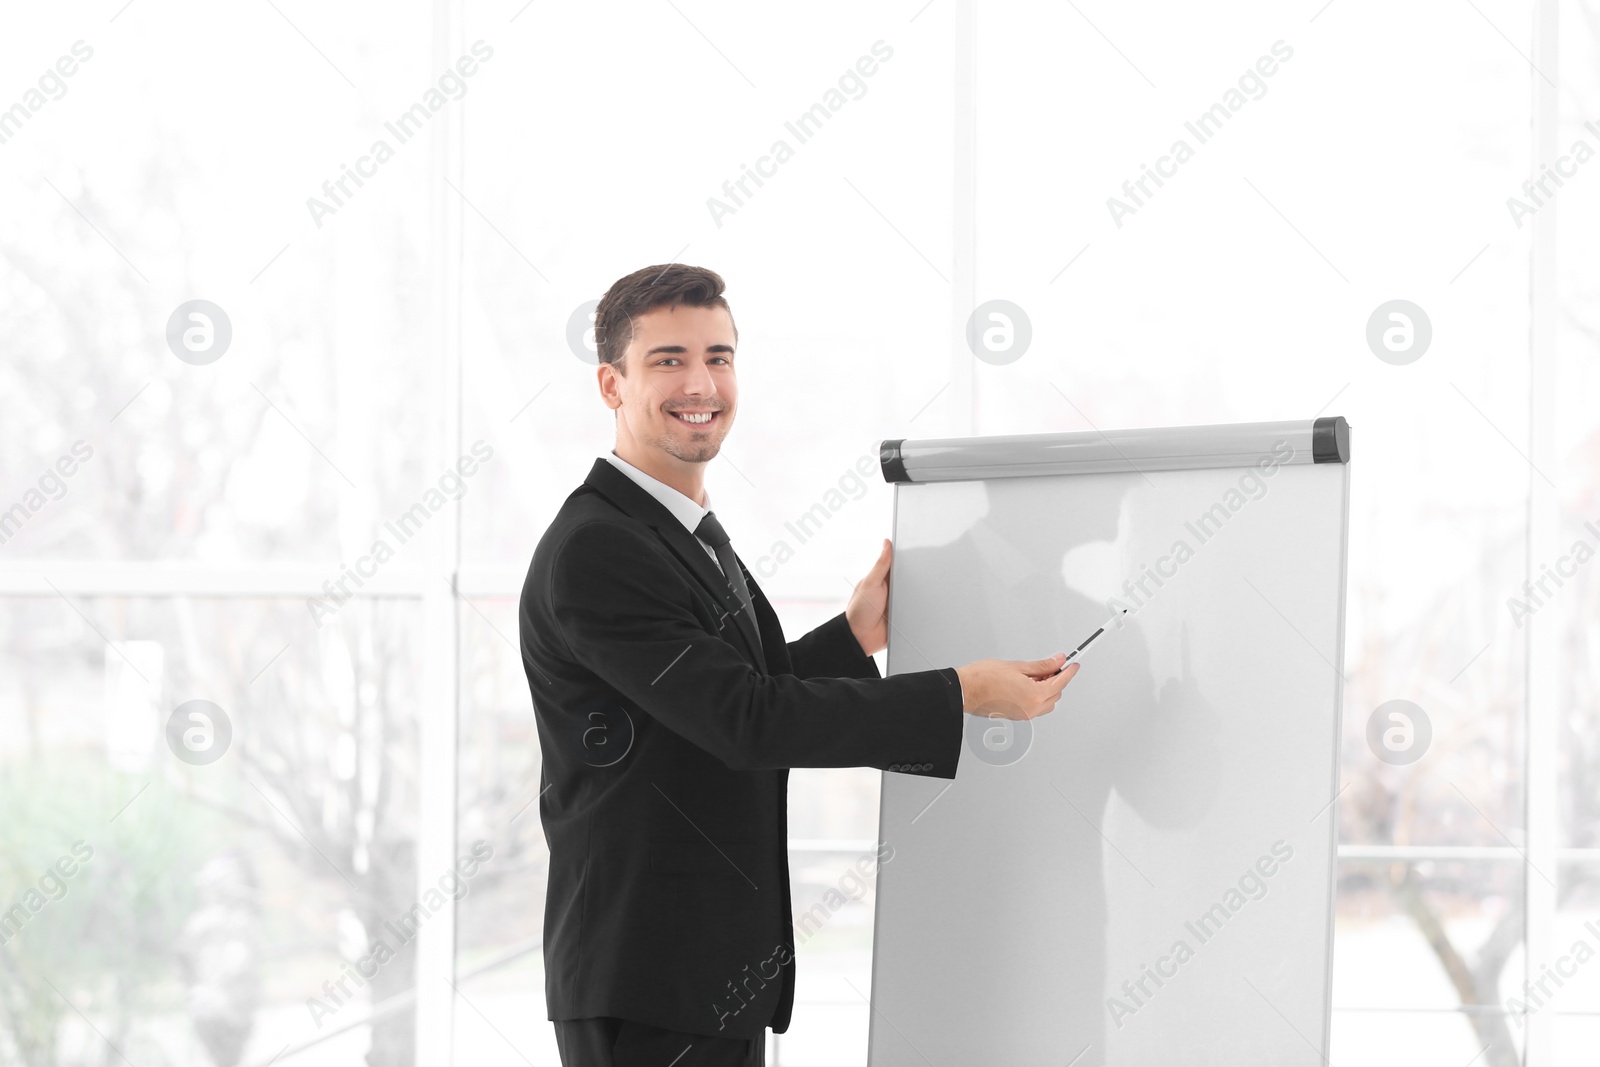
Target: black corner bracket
(894, 468)
(1330, 440)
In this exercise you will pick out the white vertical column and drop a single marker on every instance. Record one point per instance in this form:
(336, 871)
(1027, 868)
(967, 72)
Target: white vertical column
(1544, 514)
(964, 215)
(436, 819)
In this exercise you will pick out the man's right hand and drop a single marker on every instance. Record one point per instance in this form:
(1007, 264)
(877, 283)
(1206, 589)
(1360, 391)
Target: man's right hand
(1013, 688)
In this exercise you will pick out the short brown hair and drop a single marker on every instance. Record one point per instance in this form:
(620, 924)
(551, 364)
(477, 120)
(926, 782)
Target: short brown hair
(664, 285)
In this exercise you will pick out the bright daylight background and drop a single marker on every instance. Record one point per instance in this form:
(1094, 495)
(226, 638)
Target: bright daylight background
(436, 308)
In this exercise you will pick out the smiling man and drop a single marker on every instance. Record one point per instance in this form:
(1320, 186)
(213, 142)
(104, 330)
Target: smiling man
(670, 707)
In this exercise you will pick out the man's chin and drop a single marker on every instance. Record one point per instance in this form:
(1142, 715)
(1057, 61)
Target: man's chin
(703, 452)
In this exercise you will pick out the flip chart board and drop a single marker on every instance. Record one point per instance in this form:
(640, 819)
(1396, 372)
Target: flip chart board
(1143, 876)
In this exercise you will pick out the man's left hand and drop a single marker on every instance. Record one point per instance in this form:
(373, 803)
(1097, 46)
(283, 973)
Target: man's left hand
(869, 606)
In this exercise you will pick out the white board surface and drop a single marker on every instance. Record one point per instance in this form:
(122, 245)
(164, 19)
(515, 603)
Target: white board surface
(1144, 876)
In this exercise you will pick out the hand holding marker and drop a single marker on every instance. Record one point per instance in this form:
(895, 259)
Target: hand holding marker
(1076, 655)
(1020, 689)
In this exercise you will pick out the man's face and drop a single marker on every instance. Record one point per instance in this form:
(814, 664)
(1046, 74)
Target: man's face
(679, 362)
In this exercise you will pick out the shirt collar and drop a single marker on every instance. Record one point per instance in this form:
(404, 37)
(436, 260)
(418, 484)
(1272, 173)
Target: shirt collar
(683, 509)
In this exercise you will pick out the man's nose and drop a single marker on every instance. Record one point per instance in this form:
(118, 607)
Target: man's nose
(699, 381)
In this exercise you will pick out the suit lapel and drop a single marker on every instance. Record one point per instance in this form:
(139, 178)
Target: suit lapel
(630, 498)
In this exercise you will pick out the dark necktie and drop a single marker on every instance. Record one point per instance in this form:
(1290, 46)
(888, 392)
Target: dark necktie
(711, 532)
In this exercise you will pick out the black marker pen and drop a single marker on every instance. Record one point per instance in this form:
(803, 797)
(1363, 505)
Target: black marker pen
(1076, 655)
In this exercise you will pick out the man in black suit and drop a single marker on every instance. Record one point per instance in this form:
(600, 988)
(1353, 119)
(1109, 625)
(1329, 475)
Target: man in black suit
(670, 707)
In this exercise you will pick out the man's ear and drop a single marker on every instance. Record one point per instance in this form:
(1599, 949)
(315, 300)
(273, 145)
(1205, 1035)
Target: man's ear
(600, 378)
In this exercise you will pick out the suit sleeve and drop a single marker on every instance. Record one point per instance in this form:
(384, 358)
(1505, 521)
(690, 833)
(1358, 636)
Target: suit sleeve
(831, 651)
(626, 614)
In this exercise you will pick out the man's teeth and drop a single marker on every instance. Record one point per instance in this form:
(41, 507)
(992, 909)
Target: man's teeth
(688, 417)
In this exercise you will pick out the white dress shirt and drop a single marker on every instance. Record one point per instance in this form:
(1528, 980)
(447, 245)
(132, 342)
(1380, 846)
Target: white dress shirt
(683, 509)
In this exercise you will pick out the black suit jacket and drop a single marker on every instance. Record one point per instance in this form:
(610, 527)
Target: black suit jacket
(666, 740)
